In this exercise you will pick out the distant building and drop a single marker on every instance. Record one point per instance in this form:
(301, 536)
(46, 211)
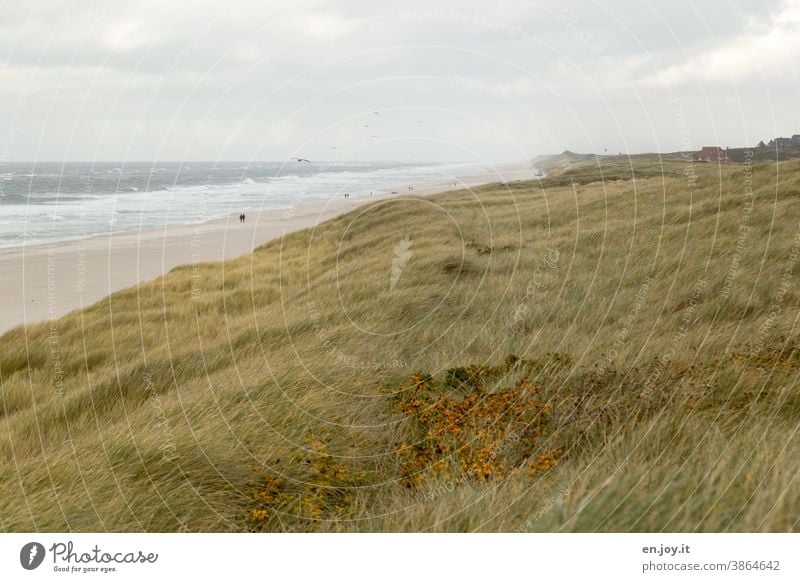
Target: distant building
(784, 142)
(780, 142)
(712, 154)
(761, 144)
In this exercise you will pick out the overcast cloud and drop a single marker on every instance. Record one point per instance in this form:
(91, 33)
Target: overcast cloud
(502, 81)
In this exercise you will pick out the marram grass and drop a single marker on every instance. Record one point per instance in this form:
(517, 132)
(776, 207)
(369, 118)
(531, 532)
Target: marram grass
(582, 353)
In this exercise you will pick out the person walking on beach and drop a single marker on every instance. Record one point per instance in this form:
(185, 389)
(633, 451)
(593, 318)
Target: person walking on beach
(243, 216)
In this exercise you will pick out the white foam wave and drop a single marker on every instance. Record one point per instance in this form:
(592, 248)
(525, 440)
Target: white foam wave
(131, 208)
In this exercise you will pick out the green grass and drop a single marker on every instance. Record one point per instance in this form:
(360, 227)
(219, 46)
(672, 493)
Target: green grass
(654, 320)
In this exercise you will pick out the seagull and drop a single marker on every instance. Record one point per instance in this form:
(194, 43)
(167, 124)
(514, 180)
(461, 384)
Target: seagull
(301, 160)
(365, 125)
(376, 113)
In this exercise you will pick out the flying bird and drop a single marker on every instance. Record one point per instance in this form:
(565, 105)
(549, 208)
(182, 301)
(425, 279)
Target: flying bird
(365, 125)
(421, 121)
(376, 113)
(301, 160)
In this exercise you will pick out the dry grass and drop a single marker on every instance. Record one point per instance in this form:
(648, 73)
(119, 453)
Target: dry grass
(653, 386)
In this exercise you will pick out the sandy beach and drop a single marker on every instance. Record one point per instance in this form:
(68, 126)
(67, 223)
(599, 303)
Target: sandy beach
(39, 282)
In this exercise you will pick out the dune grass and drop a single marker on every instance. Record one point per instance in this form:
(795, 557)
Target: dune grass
(582, 353)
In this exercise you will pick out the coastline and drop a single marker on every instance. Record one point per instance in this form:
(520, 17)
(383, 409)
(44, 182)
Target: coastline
(45, 281)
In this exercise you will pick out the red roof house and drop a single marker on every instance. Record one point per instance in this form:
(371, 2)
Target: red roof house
(712, 154)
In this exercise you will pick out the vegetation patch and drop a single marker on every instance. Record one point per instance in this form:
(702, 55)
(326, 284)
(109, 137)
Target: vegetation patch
(324, 491)
(467, 428)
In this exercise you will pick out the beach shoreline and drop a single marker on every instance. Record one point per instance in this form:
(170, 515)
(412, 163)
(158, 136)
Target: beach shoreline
(45, 281)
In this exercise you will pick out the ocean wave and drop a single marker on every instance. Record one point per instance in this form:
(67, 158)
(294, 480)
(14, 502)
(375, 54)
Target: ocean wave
(129, 206)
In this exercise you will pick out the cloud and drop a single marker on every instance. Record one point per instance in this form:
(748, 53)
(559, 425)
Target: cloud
(127, 35)
(325, 26)
(767, 47)
(203, 78)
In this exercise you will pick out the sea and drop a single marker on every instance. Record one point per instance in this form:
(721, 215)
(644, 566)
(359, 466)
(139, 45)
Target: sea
(45, 202)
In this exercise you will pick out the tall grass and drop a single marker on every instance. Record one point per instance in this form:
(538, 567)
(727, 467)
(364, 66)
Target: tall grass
(653, 384)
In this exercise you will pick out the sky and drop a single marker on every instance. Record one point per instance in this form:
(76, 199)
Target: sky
(434, 80)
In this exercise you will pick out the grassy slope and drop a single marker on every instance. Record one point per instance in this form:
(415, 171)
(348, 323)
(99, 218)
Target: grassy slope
(260, 393)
